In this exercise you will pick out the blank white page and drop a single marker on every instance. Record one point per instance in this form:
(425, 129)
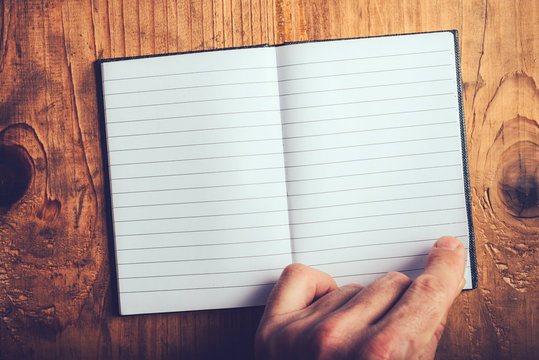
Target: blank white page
(197, 179)
(373, 152)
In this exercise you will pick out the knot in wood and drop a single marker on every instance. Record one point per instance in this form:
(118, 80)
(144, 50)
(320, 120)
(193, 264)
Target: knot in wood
(518, 182)
(15, 174)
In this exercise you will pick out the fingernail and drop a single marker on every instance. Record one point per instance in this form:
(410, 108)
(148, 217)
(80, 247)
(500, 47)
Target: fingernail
(447, 242)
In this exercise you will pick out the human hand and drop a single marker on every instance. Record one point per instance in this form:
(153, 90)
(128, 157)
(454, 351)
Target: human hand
(308, 317)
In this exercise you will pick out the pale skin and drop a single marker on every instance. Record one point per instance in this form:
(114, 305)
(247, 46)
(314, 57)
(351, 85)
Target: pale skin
(308, 316)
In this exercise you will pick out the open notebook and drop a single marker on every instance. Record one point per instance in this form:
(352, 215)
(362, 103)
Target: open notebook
(225, 166)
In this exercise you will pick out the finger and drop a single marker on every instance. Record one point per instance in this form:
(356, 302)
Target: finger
(418, 314)
(298, 286)
(375, 300)
(367, 305)
(325, 305)
(430, 349)
(446, 261)
(333, 300)
(290, 326)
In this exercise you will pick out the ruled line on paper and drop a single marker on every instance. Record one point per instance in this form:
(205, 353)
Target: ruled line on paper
(286, 138)
(194, 87)
(364, 58)
(195, 130)
(314, 193)
(293, 123)
(272, 269)
(365, 101)
(374, 187)
(194, 159)
(205, 201)
(364, 72)
(364, 87)
(380, 129)
(284, 109)
(281, 94)
(198, 173)
(306, 208)
(383, 272)
(377, 273)
(271, 67)
(281, 239)
(300, 122)
(194, 101)
(366, 144)
(195, 274)
(205, 259)
(193, 116)
(204, 216)
(200, 288)
(284, 210)
(289, 166)
(204, 244)
(265, 284)
(260, 285)
(288, 224)
(372, 173)
(194, 72)
(199, 187)
(276, 225)
(373, 201)
(369, 259)
(313, 135)
(368, 116)
(379, 229)
(201, 144)
(371, 244)
(342, 74)
(297, 151)
(378, 215)
(202, 231)
(289, 181)
(373, 158)
(375, 259)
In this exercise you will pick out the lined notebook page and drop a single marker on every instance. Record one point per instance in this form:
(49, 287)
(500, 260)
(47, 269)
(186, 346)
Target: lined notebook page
(373, 153)
(197, 179)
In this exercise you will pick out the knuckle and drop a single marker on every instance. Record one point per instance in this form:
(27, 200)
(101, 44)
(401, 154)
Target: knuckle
(284, 339)
(292, 330)
(264, 334)
(352, 287)
(327, 338)
(380, 346)
(399, 279)
(295, 270)
(431, 285)
(264, 340)
(348, 289)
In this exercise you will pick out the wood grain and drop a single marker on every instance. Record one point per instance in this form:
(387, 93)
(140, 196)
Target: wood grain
(57, 293)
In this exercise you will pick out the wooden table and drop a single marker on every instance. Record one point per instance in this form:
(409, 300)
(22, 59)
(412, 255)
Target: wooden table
(57, 294)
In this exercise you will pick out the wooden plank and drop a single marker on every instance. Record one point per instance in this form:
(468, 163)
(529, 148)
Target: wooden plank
(57, 287)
